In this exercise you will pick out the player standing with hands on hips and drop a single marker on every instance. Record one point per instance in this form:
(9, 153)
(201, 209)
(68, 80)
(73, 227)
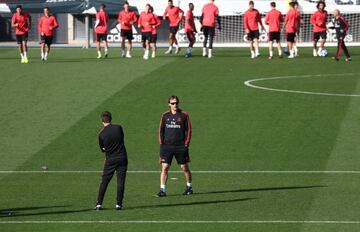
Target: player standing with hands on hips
(46, 26)
(174, 139)
(111, 142)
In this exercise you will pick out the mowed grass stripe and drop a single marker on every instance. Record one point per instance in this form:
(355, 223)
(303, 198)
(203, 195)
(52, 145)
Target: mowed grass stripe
(182, 222)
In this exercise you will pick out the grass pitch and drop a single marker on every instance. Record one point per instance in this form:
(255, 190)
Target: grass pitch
(49, 115)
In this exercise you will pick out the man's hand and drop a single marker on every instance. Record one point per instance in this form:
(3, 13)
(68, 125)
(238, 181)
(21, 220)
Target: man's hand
(42, 34)
(247, 31)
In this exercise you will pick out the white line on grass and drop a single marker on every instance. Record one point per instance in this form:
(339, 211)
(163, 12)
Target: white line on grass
(200, 172)
(181, 222)
(249, 84)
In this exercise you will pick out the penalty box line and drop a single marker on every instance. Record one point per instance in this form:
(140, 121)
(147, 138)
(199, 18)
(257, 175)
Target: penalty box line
(200, 172)
(182, 222)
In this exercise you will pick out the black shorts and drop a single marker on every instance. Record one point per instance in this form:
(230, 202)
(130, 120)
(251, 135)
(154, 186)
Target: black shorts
(127, 34)
(46, 39)
(101, 37)
(209, 31)
(153, 38)
(253, 35)
(181, 153)
(22, 38)
(290, 37)
(174, 30)
(146, 36)
(274, 36)
(319, 35)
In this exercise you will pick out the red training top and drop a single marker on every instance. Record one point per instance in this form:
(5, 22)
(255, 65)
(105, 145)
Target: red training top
(319, 20)
(175, 15)
(292, 20)
(252, 19)
(189, 22)
(103, 22)
(126, 19)
(146, 21)
(47, 25)
(156, 25)
(22, 21)
(210, 12)
(273, 19)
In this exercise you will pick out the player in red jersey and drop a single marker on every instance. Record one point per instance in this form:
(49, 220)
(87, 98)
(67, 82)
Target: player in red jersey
(175, 15)
(319, 21)
(145, 23)
(101, 25)
(47, 25)
(21, 21)
(273, 19)
(252, 19)
(190, 29)
(153, 39)
(126, 19)
(291, 26)
(297, 8)
(210, 13)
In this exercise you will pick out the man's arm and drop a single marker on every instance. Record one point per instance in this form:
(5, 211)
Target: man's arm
(161, 130)
(187, 130)
(56, 24)
(165, 13)
(101, 144)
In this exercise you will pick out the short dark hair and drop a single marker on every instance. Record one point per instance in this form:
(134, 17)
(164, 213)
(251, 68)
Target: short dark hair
(273, 4)
(106, 117)
(126, 3)
(292, 4)
(170, 1)
(191, 4)
(251, 3)
(18, 6)
(46, 7)
(102, 6)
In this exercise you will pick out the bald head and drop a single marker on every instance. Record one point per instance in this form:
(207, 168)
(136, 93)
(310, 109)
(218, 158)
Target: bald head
(336, 13)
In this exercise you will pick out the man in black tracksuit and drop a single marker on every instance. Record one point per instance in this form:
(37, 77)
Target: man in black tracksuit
(174, 139)
(111, 142)
(341, 27)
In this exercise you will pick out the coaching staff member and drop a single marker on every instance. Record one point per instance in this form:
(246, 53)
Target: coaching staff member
(174, 139)
(111, 142)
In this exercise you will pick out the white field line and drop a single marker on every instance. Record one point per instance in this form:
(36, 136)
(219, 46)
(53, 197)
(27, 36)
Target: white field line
(199, 172)
(182, 222)
(249, 83)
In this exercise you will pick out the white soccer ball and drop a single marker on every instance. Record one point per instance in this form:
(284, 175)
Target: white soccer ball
(323, 52)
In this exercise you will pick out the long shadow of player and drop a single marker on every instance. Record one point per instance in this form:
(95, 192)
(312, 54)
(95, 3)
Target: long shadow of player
(191, 203)
(262, 189)
(26, 211)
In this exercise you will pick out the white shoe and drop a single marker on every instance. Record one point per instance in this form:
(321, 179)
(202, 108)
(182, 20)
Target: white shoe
(128, 55)
(122, 54)
(146, 57)
(257, 54)
(118, 207)
(253, 56)
(168, 52)
(291, 56)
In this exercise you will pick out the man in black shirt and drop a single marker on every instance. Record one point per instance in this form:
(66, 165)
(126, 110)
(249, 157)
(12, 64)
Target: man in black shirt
(174, 139)
(341, 27)
(111, 142)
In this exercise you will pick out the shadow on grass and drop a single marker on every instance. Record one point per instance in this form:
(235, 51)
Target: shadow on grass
(190, 203)
(262, 189)
(26, 211)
